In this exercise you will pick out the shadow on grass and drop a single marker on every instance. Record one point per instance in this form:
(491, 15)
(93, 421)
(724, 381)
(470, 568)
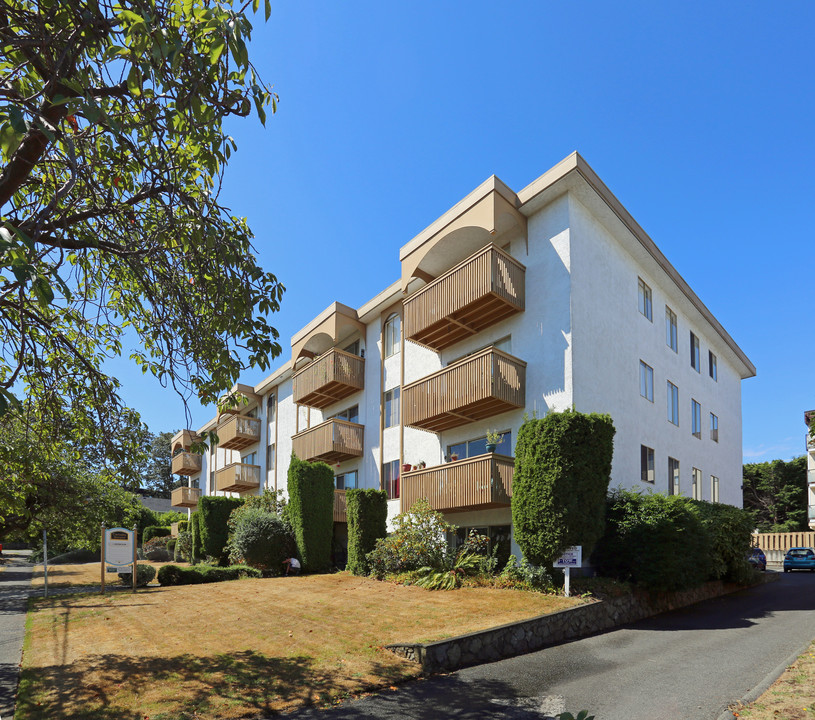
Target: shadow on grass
(103, 687)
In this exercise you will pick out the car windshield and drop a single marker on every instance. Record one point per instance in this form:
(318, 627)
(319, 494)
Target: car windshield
(800, 553)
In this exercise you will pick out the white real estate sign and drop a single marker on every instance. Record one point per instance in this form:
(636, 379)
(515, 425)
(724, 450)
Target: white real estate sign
(118, 547)
(572, 558)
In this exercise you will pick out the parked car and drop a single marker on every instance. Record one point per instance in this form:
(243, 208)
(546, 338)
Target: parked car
(800, 558)
(757, 559)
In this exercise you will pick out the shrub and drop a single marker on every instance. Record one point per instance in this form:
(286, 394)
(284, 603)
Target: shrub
(212, 525)
(144, 575)
(450, 577)
(154, 531)
(654, 541)
(171, 543)
(143, 517)
(183, 547)
(562, 471)
(311, 512)
(166, 519)
(419, 540)
(269, 501)
(367, 523)
(524, 576)
(197, 574)
(262, 540)
(183, 526)
(730, 529)
(195, 536)
(156, 549)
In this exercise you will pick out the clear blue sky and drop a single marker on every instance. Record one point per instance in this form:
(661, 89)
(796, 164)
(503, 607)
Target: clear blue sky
(698, 116)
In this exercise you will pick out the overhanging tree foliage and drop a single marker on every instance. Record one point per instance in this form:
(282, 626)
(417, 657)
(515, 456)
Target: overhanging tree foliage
(775, 493)
(112, 153)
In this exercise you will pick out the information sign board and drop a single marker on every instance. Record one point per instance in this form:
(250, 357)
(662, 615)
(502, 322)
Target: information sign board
(118, 547)
(572, 558)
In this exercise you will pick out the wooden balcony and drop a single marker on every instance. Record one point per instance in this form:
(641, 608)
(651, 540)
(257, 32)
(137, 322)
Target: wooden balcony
(331, 377)
(480, 482)
(186, 497)
(340, 506)
(479, 386)
(332, 441)
(238, 432)
(480, 291)
(186, 463)
(238, 478)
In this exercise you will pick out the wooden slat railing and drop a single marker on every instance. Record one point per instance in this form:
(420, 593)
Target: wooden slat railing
(340, 506)
(333, 376)
(238, 432)
(480, 291)
(783, 541)
(484, 384)
(185, 497)
(237, 477)
(186, 463)
(332, 441)
(483, 481)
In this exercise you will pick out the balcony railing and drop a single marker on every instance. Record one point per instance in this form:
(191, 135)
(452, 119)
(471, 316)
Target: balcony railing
(811, 515)
(484, 481)
(332, 441)
(331, 377)
(238, 477)
(340, 506)
(238, 432)
(480, 291)
(186, 463)
(185, 497)
(484, 384)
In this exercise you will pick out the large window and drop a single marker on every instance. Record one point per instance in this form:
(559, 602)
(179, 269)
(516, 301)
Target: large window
(392, 407)
(350, 414)
(270, 456)
(271, 408)
(696, 481)
(645, 300)
(714, 427)
(478, 446)
(673, 476)
(346, 481)
(393, 334)
(696, 419)
(670, 329)
(673, 403)
(714, 488)
(695, 362)
(250, 459)
(390, 479)
(646, 464)
(646, 381)
(713, 365)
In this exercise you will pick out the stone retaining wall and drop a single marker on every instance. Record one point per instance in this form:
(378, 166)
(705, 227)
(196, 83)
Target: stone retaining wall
(528, 635)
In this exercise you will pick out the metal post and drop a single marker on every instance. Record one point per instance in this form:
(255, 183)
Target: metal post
(135, 556)
(45, 560)
(103, 558)
(566, 581)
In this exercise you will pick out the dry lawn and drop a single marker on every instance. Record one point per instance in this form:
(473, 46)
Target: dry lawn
(81, 574)
(791, 697)
(236, 649)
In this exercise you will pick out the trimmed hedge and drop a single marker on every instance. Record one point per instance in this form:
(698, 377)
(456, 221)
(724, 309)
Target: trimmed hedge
(195, 537)
(730, 530)
(183, 547)
(144, 575)
(562, 472)
(171, 546)
(198, 574)
(262, 540)
(367, 522)
(212, 525)
(311, 512)
(183, 526)
(154, 531)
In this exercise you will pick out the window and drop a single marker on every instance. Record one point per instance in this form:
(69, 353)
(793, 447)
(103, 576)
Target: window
(346, 481)
(714, 427)
(673, 476)
(393, 333)
(271, 408)
(696, 484)
(390, 479)
(353, 348)
(645, 300)
(694, 353)
(696, 419)
(270, 456)
(646, 381)
(713, 366)
(351, 414)
(646, 464)
(670, 329)
(478, 446)
(392, 407)
(714, 488)
(673, 403)
(250, 459)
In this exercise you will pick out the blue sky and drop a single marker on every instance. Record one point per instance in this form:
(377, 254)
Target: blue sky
(698, 116)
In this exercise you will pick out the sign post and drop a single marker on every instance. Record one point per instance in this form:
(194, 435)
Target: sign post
(119, 550)
(45, 561)
(103, 558)
(572, 557)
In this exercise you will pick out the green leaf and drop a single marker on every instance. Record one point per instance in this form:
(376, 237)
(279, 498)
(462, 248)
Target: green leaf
(268, 9)
(216, 50)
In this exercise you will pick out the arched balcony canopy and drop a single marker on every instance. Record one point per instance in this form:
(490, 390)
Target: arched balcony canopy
(336, 323)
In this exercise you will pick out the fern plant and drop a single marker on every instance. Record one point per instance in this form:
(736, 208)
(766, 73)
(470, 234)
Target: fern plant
(450, 577)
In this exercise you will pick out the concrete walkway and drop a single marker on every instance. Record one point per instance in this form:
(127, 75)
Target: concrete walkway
(15, 587)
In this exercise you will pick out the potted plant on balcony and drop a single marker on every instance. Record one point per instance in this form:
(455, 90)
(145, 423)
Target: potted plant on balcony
(494, 439)
(453, 457)
(406, 467)
(422, 465)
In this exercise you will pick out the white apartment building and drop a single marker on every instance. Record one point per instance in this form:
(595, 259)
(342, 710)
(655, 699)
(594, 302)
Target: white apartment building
(510, 303)
(809, 415)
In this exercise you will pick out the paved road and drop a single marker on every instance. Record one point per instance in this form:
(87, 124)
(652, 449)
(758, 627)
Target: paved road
(685, 665)
(15, 583)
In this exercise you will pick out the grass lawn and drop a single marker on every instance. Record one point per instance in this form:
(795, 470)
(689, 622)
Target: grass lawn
(791, 697)
(82, 574)
(236, 649)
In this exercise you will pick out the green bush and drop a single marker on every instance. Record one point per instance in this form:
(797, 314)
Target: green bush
(262, 540)
(419, 540)
(183, 547)
(166, 519)
(311, 512)
(655, 541)
(144, 575)
(171, 546)
(212, 525)
(562, 471)
(155, 550)
(269, 501)
(143, 517)
(154, 531)
(730, 529)
(183, 526)
(197, 574)
(195, 538)
(367, 522)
